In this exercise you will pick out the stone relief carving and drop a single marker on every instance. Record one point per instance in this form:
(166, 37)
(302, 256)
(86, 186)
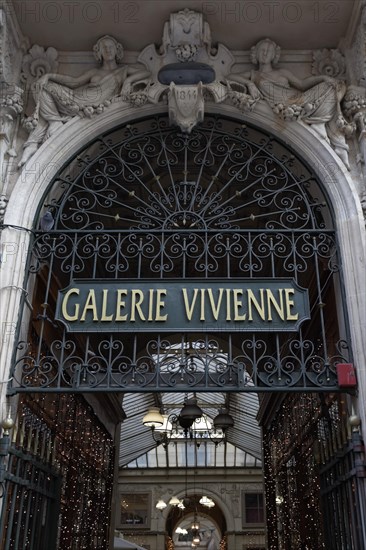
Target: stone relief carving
(39, 62)
(11, 94)
(186, 106)
(6, 51)
(314, 100)
(11, 106)
(59, 97)
(185, 28)
(329, 62)
(200, 70)
(185, 72)
(354, 105)
(3, 204)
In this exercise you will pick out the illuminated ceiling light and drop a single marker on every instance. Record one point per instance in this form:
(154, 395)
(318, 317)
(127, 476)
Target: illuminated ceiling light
(174, 501)
(181, 531)
(153, 418)
(208, 502)
(160, 505)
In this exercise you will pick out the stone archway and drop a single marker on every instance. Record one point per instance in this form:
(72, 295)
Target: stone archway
(344, 231)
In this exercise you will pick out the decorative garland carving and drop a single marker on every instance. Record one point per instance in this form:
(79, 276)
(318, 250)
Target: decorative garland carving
(3, 204)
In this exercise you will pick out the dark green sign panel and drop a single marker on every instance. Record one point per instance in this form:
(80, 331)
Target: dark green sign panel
(181, 305)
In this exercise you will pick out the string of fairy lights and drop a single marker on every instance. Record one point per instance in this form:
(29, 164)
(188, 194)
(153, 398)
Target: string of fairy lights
(63, 436)
(308, 431)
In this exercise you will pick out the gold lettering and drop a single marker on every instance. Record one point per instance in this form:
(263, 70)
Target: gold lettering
(104, 316)
(90, 304)
(65, 313)
(215, 307)
(202, 318)
(237, 304)
(120, 304)
(271, 300)
(137, 297)
(228, 305)
(189, 307)
(259, 307)
(289, 305)
(151, 303)
(160, 304)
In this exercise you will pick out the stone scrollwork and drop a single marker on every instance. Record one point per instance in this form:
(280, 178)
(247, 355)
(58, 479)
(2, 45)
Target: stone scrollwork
(185, 28)
(329, 62)
(187, 39)
(38, 62)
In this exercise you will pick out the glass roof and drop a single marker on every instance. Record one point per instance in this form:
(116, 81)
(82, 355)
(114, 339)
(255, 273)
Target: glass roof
(243, 447)
(207, 455)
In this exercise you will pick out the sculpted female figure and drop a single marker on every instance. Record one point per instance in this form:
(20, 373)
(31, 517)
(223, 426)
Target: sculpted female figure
(59, 97)
(314, 100)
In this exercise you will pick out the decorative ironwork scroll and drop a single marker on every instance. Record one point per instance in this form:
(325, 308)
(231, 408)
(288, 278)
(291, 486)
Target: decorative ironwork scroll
(144, 202)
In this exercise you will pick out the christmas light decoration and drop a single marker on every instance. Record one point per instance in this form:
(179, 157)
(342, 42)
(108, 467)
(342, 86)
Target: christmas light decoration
(61, 444)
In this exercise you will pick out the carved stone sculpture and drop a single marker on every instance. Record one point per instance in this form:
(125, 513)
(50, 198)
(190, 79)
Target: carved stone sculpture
(314, 100)
(186, 106)
(61, 97)
(3, 205)
(354, 105)
(329, 62)
(38, 62)
(186, 84)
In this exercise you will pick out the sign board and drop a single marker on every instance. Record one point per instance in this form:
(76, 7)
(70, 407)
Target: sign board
(183, 305)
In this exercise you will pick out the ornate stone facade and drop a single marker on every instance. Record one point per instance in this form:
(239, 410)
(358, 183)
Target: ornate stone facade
(194, 73)
(333, 143)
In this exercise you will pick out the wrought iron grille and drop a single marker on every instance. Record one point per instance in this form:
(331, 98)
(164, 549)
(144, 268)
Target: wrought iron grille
(146, 202)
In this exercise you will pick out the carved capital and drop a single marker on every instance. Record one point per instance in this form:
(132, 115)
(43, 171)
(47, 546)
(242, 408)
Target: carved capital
(329, 62)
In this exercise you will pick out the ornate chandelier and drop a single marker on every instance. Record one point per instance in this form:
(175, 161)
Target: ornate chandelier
(190, 423)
